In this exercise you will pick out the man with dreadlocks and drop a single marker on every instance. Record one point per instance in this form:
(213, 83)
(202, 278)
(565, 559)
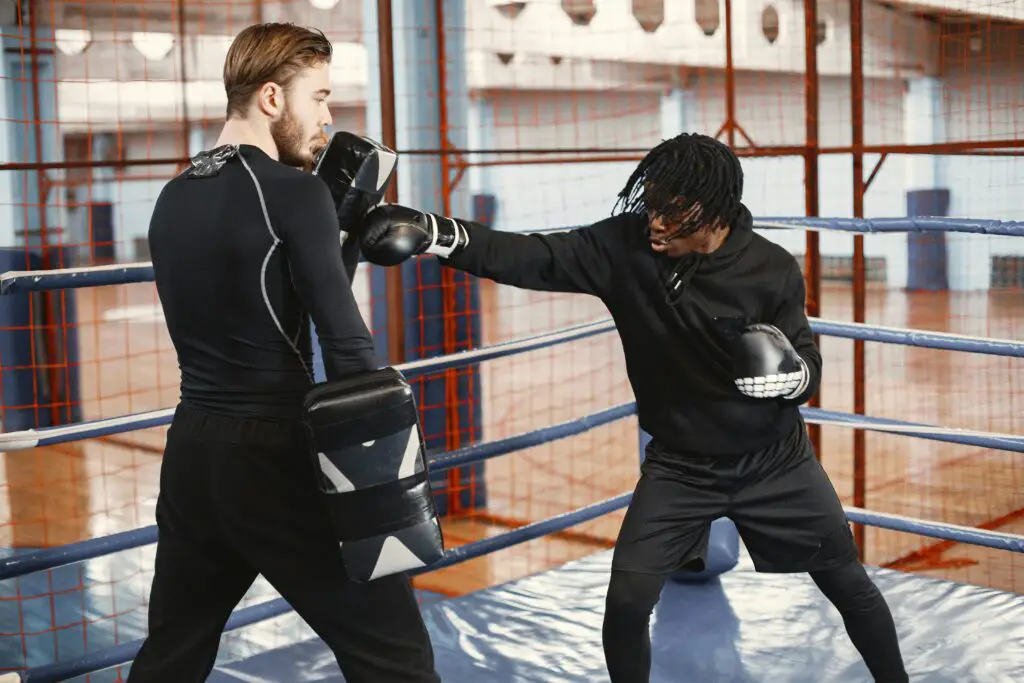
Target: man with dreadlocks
(720, 356)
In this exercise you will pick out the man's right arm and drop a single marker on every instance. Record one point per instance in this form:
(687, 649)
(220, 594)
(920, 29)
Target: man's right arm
(578, 261)
(311, 237)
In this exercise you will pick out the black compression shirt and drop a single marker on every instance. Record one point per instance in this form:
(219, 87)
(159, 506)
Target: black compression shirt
(243, 259)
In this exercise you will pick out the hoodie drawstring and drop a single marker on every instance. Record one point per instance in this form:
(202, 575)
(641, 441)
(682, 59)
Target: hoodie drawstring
(677, 281)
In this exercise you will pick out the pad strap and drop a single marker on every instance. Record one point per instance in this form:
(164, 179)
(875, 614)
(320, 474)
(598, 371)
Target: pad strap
(383, 509)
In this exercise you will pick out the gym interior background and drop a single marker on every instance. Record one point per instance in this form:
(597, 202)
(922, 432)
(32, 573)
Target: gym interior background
(525, 115)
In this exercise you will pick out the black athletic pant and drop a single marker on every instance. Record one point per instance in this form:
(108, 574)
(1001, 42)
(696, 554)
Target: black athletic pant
(632, 597)
(790, 519)
(238, 498)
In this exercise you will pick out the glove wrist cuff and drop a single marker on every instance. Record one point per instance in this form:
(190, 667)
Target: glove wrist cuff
(447, 236)
(805, 378)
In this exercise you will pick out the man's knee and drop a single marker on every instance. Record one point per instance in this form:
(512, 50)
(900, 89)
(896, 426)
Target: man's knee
(631, 597)
(848, 587)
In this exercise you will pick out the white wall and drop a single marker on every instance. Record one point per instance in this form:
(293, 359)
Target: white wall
(614, 34)
(980, 97)
(136, 187)
(769, 108)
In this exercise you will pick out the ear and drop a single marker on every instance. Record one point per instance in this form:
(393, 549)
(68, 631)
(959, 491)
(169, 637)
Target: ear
(270, 99)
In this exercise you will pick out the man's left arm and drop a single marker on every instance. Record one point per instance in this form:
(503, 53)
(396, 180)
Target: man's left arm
(310, 233)
(350, 255)
(791, 319)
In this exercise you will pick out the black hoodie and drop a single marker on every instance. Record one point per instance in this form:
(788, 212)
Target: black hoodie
(673, 317)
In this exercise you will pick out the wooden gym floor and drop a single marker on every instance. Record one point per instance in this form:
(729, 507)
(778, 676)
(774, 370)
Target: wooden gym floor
(65, 493)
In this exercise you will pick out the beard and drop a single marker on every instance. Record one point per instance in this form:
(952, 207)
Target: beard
(293, 149)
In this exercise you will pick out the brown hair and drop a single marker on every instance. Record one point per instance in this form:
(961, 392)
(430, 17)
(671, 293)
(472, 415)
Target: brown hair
(269, 52)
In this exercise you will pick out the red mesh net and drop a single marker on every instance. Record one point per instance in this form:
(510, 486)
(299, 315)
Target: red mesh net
(547, 108)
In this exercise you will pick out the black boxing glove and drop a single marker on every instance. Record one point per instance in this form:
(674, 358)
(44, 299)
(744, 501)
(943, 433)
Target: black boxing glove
(766, 365)
(357, 170)
(393, 233)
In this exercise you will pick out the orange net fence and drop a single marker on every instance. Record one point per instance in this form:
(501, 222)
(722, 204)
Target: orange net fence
(546, 107)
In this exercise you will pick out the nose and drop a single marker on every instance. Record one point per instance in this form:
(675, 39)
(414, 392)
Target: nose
(658, 230)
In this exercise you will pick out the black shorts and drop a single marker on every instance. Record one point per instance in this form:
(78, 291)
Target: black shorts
(783, 504)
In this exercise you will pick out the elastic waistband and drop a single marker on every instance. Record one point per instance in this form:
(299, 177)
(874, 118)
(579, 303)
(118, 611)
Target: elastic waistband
(236, 429)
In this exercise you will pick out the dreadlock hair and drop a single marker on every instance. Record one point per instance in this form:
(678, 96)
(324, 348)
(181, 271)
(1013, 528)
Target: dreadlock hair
(691, 180)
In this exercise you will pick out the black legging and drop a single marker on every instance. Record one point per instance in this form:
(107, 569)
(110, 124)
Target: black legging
(632, 597)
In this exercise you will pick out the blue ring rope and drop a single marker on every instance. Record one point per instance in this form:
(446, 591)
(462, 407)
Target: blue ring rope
(124, 653)
(947, 532)
(86, 430)
(17, 281)
(1000, 442)
(48, 436)
(121, 654)
(890, 225)
(69, 278)
(51, 558)
(32, 438)
(944, 341)
(118, 655)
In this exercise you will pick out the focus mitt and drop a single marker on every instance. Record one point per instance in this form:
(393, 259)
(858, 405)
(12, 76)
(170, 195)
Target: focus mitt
(357, 170)
(366, 439)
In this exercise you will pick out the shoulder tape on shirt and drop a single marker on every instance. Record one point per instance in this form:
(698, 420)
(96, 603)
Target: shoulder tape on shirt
(209, 162)
(366, 438)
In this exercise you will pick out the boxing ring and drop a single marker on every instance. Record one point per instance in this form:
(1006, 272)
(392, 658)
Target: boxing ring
(737, 626)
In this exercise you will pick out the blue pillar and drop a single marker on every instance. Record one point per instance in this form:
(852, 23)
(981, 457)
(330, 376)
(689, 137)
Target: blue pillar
(419, 178)
(44, 606)
(926, 252)
(482, 182)
(98, 225)
(89, 221)
(378, 322)
(674, 112)
(22, 126)
(104, 179)
(923, 124)
(196, 138)
(480, 135)
(10, 133)
(37, 374)
(374, 130)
